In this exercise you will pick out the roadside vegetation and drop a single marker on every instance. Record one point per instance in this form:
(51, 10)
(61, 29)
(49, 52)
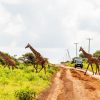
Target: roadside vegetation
(85, 64)
(23, 83)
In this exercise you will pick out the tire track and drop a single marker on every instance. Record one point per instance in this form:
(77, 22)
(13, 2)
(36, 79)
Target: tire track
(71, 84)
(56, 88)
(78, 87)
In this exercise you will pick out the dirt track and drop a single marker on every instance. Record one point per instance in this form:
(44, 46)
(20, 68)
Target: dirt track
(71, 84)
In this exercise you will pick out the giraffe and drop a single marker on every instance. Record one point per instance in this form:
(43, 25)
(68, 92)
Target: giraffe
(9, 61)
(38, 58)
(90, 60)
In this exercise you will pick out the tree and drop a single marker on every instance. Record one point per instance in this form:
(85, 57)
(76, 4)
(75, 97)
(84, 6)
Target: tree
(97, 53)
(28, 58)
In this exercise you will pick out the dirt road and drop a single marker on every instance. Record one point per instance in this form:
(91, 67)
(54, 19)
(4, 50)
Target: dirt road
(71, 84)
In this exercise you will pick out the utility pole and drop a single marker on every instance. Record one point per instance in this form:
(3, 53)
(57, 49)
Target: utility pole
(69, 55)
(76, 48)
(89, 39)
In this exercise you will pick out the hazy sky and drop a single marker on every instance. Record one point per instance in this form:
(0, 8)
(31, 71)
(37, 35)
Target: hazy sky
(51, 26)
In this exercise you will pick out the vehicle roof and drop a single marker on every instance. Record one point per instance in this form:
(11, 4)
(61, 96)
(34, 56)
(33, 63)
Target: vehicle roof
(78, 59)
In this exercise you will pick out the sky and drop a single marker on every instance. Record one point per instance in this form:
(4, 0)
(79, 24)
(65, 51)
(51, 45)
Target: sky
(50, 26)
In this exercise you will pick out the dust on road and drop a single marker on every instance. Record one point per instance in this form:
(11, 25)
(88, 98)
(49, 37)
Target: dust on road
(71, 84)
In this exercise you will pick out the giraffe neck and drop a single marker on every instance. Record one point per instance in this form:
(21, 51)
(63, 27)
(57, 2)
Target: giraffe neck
(33, 50)
(39, 58)
(37, 54)
(86, 54)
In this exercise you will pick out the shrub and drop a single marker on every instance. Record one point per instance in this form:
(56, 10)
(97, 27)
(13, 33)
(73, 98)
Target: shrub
(25, 94)
(28, 69)
(43, 77)
(31, 77)
(52, 70)
(21, 66)
(4, 81)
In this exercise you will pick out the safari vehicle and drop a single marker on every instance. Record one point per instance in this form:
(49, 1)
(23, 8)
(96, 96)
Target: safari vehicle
(78, 62)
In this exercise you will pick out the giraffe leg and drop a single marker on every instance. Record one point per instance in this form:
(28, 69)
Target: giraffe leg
(12, 67)
(34, 66)
(37, 68)
(92, 69)
(42, 67)
(8, 66)
(49, 66)
(45, 69)
(4, 66)
(98, 69)
(16, 67)
(86, 69)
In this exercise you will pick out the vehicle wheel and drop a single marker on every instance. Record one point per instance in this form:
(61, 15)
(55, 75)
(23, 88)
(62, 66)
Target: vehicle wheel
(82, 66)
(75, 66)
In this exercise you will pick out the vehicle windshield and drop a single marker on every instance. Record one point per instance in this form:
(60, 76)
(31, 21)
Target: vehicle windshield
(78, 61)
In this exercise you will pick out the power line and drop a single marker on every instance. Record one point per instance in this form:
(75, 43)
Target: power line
(69, 55)
(76, 48)
(89, 39)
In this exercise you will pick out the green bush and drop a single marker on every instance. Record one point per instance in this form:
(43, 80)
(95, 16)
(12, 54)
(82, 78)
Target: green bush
(52, 70)
(43, 77)
(21, 66)
(25, 94)
(4, 81)
(31, 77)
(23, 83)
(29, 69)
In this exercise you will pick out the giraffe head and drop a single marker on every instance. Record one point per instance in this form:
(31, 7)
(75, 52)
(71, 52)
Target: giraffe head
(80, 49)
(28, 45)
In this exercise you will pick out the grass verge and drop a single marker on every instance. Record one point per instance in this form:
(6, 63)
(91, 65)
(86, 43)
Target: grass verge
(23, 82)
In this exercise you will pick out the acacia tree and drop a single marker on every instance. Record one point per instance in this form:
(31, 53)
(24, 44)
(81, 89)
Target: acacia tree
(97, 53)
(27, 58)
